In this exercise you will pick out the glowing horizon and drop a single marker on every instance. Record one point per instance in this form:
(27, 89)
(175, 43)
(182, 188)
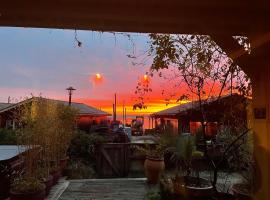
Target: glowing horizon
(46, 61)
(152, 107)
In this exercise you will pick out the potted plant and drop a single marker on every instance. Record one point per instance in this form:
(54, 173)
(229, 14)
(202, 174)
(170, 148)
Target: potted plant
(183, 184)
(42, 126)
(27, 188)
(246, 167)
(44, 176)
(154, 163)
(25, 184)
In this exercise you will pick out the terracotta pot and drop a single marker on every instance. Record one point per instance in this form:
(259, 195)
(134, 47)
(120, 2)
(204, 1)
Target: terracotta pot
(153, 168)
(56, 176)
(49, 183)
(240, 191)
(37, 195)
(175, 189)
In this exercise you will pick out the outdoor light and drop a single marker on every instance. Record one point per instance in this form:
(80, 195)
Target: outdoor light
(98, 76)
(145, 77)
(70, 92)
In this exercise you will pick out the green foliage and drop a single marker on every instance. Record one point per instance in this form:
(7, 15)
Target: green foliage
(26, 185)
(225, 135)
(45, 129)
(240, 154)
(161, 143)
(8, 137)
(82, 145)
(153, 195)
(41, 173)
(182, 152)
(79, 170)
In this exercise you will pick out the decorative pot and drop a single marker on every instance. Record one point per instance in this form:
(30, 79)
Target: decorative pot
(241, 191)
(204, 190)
(186, 188)
(49, 183)
(56, 176)
(153, 168)
(37, 195)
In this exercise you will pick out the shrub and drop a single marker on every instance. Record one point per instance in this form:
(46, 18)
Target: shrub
(79, 170)
(45, 130)
(152, 195)
(7, 137)
(83, 146)
(26, 185)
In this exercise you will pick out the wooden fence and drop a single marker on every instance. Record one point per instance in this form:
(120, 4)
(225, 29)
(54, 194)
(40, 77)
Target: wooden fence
(114, 159)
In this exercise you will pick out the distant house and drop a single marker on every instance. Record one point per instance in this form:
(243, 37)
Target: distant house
(86, 117)
(186, 117)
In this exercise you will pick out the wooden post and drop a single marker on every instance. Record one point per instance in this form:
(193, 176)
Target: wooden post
(260, 122)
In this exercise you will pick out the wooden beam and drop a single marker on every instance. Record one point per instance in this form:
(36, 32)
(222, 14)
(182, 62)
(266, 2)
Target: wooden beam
(172, 16)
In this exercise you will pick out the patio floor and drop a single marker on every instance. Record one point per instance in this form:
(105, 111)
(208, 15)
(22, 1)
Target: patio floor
(105, 189)
(118, 189)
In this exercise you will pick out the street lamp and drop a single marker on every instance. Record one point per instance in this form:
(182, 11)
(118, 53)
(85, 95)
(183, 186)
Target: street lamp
(70, 92)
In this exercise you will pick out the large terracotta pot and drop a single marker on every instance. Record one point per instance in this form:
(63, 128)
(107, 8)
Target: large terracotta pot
(153, 168)
(241, 191)
(37, 195)
(49, 183)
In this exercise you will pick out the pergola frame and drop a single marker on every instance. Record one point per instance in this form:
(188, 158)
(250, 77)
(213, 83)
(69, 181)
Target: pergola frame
(219, 19)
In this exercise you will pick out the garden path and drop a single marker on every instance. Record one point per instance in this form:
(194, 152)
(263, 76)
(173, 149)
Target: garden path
(106, 189)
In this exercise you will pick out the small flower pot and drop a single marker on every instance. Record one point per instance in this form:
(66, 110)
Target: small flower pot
(153, 168)
(37, 195)
(49, 183)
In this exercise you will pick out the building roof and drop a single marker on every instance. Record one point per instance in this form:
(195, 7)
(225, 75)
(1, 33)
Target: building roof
(85, 109)
(176, 110)
(82, 108)
(5, 105)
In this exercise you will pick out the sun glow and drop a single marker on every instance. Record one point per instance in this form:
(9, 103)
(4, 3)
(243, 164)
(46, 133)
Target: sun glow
(145, 79)
(98, 78)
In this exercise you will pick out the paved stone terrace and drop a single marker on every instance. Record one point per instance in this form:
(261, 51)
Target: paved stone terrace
(117, 189)
(105, 189)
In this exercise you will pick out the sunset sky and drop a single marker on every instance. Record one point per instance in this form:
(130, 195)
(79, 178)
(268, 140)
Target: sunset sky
(46, 61)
